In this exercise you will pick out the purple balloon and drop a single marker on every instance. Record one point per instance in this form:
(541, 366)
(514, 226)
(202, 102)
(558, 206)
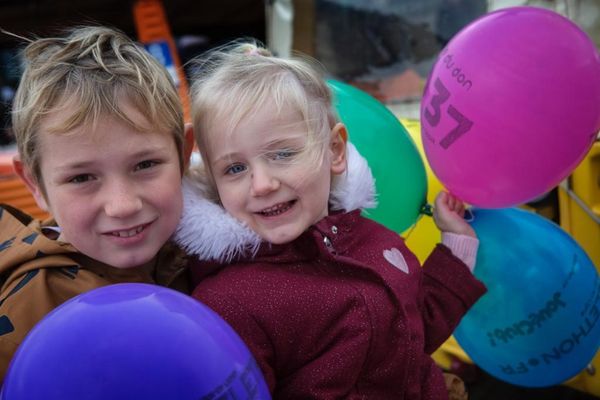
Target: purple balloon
(511, 106)
(133, 341)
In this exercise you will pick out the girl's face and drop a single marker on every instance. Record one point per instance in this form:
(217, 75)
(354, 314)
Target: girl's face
(263, 176)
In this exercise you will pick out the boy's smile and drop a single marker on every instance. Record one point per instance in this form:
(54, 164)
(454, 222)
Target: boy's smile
(129, 232)
(114, 192)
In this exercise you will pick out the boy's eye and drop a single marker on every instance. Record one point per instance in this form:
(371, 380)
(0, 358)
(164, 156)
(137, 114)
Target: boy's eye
(145, 164)
(82, 178)
(235, 169)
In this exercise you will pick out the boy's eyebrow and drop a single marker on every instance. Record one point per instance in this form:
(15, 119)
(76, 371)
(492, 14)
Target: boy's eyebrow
(150, 151)
(82, 164)
(73, 165)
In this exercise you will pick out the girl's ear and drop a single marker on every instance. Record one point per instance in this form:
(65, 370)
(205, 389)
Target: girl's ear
(337, 145)
(31, 183)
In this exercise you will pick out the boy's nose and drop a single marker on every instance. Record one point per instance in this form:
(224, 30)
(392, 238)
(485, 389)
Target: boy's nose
(263, 182)
(122, 202)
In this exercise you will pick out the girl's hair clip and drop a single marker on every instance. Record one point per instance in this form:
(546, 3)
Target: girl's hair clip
(253, 51)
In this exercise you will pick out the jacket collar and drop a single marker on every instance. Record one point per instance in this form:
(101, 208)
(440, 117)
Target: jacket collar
(207, 231)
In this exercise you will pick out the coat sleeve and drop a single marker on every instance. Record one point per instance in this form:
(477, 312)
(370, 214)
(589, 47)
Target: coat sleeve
(448, 290)
(24, 302)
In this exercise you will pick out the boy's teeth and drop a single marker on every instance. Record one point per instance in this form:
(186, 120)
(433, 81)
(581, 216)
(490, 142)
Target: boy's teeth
(129, 233)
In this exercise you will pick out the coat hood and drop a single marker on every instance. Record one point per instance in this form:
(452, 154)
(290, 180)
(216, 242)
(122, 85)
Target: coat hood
(207, 231)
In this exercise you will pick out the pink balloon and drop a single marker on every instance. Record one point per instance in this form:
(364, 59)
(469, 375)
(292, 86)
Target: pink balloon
(511, 106)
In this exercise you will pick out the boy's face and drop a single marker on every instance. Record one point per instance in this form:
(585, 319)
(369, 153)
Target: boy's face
(264, 178)
(114, 192)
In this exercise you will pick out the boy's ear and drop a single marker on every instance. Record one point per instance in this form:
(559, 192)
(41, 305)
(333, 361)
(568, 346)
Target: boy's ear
(31, 183)
(188, 145)
(337, 145)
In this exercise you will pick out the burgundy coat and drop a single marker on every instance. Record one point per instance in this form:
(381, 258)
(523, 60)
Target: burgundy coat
(344, 311)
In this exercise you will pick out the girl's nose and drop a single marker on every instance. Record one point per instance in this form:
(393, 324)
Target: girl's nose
(263, 182)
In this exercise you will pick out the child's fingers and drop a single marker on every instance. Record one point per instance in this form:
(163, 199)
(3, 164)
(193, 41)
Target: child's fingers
(460, 206)
(455, 204)
(460, 209)
(451, 202)
(441, 197)
(440, 202)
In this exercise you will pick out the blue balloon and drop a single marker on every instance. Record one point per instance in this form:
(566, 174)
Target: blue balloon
(538, 324)
(133, 341)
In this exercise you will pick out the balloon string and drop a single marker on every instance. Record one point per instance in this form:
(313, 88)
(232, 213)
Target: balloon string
(469, 217)
(412, 228)
(426, 209)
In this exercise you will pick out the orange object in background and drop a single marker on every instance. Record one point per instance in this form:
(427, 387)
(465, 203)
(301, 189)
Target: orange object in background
(13, 190)
(155, 34)
(6, 167)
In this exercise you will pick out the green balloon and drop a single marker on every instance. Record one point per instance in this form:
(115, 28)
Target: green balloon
(400, 177)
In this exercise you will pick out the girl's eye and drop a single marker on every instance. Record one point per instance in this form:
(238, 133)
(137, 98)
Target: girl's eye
(79, 179)
(283, 155)
(235, 169)
(145, 164)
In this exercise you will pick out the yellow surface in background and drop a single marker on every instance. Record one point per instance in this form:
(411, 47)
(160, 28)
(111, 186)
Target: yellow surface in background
(424, 235)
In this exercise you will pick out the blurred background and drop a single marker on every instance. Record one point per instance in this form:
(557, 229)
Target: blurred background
(385, 47)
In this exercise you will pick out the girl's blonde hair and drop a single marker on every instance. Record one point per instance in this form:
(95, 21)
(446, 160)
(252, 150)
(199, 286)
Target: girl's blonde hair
(237, 79)
(86, 75)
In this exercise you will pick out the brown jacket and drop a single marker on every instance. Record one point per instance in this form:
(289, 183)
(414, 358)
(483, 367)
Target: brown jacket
(37, 274)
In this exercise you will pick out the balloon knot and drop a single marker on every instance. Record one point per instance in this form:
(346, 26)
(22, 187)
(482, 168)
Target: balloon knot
(426, 209)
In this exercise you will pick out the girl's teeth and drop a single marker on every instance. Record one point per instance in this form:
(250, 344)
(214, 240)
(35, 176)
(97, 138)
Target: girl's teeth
(276, 210)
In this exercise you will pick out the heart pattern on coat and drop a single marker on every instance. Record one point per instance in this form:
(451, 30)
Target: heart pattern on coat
(395, 257)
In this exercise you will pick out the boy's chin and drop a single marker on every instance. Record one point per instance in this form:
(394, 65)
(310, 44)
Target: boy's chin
(129, 262)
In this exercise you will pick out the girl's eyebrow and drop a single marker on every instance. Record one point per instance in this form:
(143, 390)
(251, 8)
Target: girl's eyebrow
(285, 142)
(227, 157)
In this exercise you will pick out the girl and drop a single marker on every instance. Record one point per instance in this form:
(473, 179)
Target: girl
(331, 304)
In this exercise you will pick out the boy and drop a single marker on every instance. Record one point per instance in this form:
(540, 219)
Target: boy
(100, 137)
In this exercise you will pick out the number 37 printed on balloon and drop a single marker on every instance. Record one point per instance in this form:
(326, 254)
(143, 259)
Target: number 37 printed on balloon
(511, 106)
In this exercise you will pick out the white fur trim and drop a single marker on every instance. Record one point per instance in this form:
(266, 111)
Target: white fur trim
(209, 232)
(356, 188)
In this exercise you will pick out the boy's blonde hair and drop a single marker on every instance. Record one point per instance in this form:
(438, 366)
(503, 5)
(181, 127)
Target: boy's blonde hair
(86, 75)
(237, 79)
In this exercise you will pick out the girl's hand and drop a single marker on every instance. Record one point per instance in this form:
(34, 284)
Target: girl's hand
(448, 215)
